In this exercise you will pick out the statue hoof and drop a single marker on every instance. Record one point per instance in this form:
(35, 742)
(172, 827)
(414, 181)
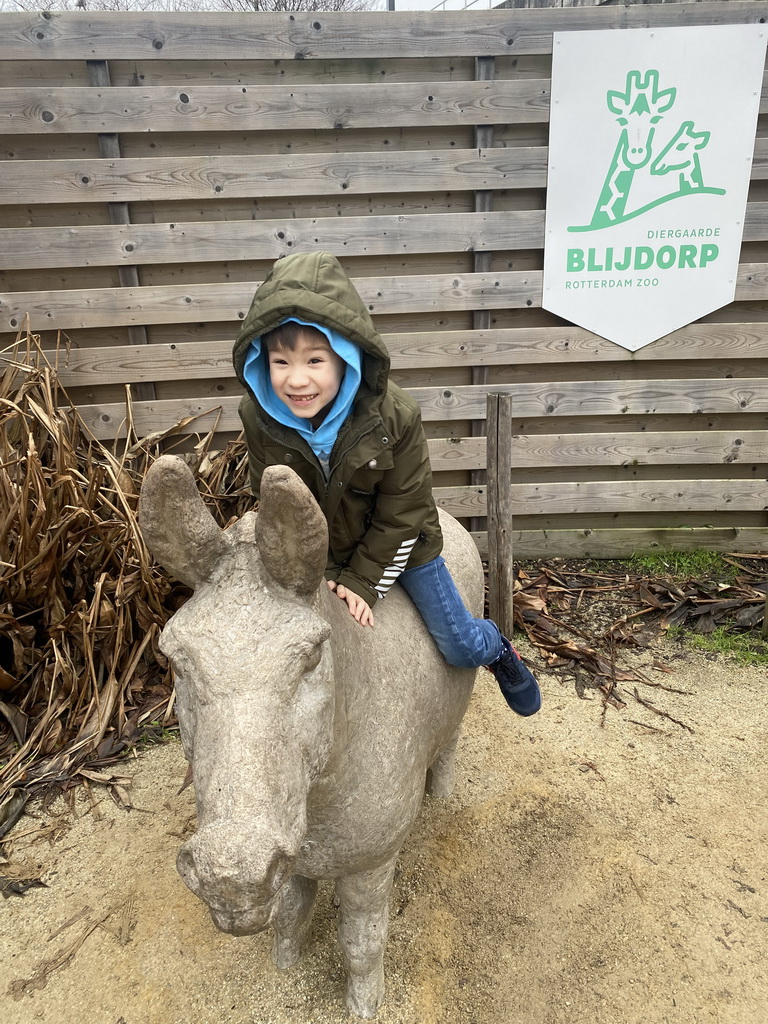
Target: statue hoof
(441, 782)
(286, 952)
(365, 994)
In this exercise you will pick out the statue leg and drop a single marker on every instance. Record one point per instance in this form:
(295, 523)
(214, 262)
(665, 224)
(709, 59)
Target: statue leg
(362, 930)
(441, 775)
(297, 900)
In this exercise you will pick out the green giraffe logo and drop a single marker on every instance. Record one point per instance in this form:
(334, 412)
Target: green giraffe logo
(639, 109)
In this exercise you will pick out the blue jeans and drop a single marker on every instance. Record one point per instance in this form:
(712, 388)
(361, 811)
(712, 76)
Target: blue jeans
(463, 640)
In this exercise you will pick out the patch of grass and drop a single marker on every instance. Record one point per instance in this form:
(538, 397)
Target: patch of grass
(156, 732)
(689, 565)
(744, 648)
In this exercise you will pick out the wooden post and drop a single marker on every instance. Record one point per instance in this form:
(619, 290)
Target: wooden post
(499, 495)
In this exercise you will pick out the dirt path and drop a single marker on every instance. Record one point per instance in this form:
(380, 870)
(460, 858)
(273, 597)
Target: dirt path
(580, 874)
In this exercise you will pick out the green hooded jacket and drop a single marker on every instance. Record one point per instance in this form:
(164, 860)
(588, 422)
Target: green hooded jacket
(377, 499)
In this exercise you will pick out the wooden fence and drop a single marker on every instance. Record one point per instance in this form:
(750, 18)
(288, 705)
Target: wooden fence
(155, 165)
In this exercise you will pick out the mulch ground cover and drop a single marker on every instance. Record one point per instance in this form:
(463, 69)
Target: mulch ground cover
(581, 616)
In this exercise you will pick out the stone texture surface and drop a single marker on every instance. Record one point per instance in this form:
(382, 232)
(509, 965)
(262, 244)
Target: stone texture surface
(310, 737)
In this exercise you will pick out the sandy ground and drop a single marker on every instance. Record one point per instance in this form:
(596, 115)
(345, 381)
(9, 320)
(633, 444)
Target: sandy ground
(581, 873)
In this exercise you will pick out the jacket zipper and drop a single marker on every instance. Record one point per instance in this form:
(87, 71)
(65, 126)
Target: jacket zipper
(350, 446)
(285, 444)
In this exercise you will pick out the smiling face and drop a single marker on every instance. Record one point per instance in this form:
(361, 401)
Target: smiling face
(306, 377)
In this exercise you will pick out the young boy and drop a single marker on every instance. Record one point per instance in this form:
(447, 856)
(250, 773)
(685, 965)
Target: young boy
(318, 398)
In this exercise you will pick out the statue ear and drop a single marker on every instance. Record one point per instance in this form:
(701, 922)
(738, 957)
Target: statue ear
(291, 532)
(179, 530)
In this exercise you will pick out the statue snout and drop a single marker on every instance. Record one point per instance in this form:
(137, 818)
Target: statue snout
(238, 875)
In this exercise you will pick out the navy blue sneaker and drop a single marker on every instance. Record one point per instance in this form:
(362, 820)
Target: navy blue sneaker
(517, 682)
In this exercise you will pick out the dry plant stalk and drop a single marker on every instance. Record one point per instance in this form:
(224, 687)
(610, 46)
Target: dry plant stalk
(82, 603)
(122, 929)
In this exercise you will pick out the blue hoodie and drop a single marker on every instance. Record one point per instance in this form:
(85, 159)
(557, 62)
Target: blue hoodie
(321, 441)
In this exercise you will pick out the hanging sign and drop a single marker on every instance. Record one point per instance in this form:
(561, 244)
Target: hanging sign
(650, 153)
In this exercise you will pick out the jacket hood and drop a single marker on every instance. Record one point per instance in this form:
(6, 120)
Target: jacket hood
(313, 286)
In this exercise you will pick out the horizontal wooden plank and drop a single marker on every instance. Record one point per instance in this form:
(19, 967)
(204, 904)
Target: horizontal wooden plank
(208, 108)
(751, 281)
(569, 398)
(202, 145)
(756, 222)
(228, 36)
(175, 178)
(623, 542)
(96, 307)
(335, 71)
(527, 345)
(507, 347)
(457, 453)
(108, 420)
(144, 363)
(649, 448)
(214, 241)
(574, 498)
(150, 72)
(202, 107)
(65, 309)
(222, 177)
(600, 398)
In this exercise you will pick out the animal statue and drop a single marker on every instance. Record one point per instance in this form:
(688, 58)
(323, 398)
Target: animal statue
(311, 738)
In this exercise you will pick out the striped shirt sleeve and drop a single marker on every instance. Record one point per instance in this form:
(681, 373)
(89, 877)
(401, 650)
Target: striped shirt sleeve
(399, 563)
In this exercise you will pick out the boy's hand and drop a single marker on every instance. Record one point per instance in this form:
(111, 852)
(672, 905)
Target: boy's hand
(358, 608)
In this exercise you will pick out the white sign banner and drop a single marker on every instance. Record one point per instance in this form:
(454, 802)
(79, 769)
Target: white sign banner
(651, 139)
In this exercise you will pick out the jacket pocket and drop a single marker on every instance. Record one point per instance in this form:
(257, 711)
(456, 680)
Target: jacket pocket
(367, 477)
